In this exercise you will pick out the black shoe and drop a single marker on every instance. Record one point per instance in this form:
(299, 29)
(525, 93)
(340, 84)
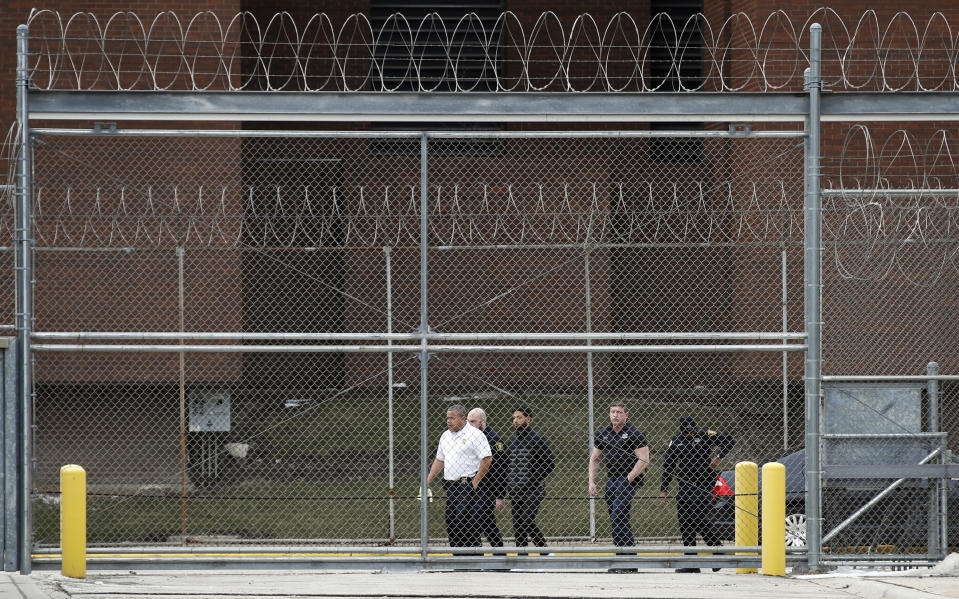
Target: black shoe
(716, 569)
(687, 570)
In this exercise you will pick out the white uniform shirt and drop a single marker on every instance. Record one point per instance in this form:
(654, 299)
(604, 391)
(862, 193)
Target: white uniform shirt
(462, 451)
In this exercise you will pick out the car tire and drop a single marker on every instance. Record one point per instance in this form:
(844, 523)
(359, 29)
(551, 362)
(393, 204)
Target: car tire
(796, 530)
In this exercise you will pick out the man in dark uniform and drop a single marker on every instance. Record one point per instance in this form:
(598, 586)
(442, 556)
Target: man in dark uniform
(693, 457)
(624, 449)
(492, 491)
(530, 462)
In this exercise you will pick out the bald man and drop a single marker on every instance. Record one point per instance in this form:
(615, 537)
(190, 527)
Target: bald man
(492, 491)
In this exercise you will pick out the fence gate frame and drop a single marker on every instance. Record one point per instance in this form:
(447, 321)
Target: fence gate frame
(812, 108)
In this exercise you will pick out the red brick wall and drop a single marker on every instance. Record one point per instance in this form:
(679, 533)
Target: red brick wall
(217, 289)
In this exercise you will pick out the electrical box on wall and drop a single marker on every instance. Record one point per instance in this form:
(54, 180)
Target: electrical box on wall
(209, 411)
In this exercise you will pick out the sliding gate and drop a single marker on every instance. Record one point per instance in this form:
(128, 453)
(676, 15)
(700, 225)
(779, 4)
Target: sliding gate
(229, 326)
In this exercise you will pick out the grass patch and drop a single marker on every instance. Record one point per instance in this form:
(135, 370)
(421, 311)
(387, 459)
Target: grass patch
(339, 491)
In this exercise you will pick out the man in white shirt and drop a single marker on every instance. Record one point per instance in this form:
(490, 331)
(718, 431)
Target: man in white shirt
(464, 457)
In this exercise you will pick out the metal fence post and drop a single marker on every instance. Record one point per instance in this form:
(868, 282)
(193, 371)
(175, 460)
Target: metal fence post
(812, 274)
(182, 395)
(785, 354)
(389, 392)
(936, 517)
(589, 391)
(24, 308)
(424, 354)
(11, 504)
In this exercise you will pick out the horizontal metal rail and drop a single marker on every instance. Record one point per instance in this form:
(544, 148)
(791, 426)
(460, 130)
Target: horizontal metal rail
(244, 336)
(446, 562)
(890, 560)
(438, 107)
(874, 471)
(891, 377)
(433, 107)
(890, 192)
(937, 435)
(352, 349)
(735, 134)
(342, 550)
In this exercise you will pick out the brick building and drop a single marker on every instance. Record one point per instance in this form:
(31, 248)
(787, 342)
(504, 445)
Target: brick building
(662, 288)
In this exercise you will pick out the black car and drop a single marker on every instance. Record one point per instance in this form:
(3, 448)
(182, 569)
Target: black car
(900, 518)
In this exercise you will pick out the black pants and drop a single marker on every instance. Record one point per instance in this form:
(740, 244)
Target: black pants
(461, 521)
(695, 511)
(486, 515)
(525, 506)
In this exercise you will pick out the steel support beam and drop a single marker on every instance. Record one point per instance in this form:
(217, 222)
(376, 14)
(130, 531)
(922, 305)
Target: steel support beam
(24, 299)
(419, 107)
(812, 290)
(488, 107)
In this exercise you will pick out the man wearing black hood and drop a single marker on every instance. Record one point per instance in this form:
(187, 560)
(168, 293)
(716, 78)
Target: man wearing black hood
(530, 462)
(693, 456)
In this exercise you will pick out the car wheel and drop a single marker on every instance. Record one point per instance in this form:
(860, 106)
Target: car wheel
(796, 530)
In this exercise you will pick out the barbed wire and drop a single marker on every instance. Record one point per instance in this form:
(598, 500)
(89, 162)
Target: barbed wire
(9, 151)
(559, 214)
(894, 208)
(744, 52)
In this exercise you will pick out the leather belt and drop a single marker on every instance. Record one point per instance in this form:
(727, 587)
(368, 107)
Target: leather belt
(463, 480)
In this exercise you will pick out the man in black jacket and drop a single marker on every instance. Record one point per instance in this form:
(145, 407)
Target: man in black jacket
(492, 491)
(530, 462)
(693, 456)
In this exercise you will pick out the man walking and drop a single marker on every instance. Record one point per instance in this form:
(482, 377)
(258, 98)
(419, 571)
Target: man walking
(625, 451)
(464, 458)
(693, 456)
(530, 462)
(492, 491)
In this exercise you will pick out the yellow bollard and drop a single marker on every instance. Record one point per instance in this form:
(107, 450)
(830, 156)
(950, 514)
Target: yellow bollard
(73, 521)
(747, 508)
(774, 519)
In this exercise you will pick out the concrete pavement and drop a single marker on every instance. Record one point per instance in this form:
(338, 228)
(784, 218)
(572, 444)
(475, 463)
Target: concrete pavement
(650, 584)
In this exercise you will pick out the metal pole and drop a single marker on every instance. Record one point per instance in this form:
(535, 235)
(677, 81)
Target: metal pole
(932, 396)
(434, 348)
(943, 502)
(589, 392)
(179, 256)
(25, 299)
(6, 435)
(785, 360)
(389, 393)
(812, 274)
(935, 542)
(424, 354)
(87, 336)
(10, 436)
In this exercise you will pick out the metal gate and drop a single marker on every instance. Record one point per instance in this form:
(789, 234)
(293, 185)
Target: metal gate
(283, 398)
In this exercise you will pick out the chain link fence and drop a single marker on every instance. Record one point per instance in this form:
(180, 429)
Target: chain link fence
(248, 359)
(290, 412)
(889, 271)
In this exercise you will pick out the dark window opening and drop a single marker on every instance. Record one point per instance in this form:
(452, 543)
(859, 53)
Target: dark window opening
(676, 64)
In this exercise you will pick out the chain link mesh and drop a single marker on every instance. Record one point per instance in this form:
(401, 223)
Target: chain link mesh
(320, 235)
(307, 435)
(889, 270)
